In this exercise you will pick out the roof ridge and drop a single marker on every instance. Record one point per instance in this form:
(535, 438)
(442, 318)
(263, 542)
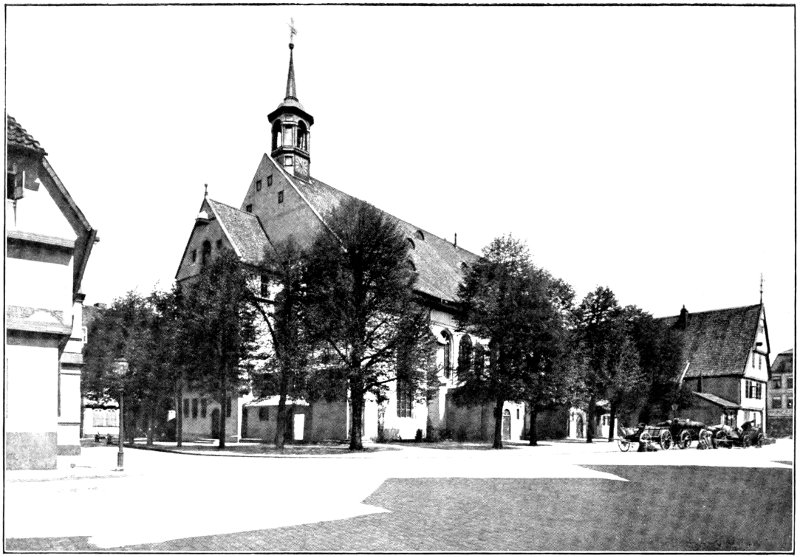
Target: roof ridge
(711, 311)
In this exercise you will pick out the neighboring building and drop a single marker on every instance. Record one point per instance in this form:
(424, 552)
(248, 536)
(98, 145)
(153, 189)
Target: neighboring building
(780, 395)
(48, 243)
(726, 364)
(283, 200)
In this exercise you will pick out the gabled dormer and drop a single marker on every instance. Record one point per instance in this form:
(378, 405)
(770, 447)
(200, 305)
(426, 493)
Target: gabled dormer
(289, 132)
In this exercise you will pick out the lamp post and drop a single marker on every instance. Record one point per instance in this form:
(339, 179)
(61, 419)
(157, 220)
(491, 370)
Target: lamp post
(120, 369)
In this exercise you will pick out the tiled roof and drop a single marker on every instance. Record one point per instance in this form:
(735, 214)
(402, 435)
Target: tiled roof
(717, 400)
(783, 362)
(718, 342)
(438, 262)
(244, 231)
(16, 135)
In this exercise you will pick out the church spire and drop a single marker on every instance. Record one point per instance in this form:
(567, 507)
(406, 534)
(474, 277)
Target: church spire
(291, 88)
(290, 124)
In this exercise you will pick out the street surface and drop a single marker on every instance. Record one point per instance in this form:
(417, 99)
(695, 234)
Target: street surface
(559, 496)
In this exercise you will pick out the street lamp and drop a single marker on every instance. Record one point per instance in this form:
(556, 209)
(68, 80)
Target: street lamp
(120, 369)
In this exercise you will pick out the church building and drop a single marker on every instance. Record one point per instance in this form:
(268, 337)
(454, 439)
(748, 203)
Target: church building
(284, 199)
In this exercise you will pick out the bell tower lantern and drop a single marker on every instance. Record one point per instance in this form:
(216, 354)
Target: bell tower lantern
(290, 124)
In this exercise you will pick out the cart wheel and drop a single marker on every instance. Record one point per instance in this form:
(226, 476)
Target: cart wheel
(623, 444)
(760, 441)
(685, 439)
(665, 440)
(644, 439)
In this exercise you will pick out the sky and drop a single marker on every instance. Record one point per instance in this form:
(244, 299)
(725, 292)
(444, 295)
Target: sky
(647, 149)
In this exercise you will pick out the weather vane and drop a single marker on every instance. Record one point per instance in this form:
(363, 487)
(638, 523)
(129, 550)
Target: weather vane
(292, 30)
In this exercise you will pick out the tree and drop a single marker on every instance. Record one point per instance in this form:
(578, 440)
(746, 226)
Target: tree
(600, 331)
(217, 330)
(284, 270)
(362, 305)
(505, 299)
(660, 349)
(132, 328)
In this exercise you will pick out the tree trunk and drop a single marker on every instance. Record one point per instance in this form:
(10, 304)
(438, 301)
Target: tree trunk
(150, 413)
(534, 435)
(590, 420)
(223, 407)
(498, 424)
(357, 407)
(280, 425)
(179, 415)
(612, 422)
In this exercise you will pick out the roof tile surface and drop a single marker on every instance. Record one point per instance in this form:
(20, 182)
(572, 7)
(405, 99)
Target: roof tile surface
(244, 230)
(718, 342)
(16, 135)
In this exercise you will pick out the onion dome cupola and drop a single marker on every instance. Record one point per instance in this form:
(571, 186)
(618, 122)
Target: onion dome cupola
(290, 129)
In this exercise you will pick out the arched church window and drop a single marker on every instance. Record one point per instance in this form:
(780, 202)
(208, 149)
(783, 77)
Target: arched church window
(206, 253)
(448, 350)
(479, 359)
(302, 136)
(464, 356)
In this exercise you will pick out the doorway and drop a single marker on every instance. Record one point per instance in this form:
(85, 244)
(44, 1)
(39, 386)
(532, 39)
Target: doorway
(506, 425)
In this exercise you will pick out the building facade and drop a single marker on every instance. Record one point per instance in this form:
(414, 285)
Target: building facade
(780, 395)
(49, 242)
(283, 199)
(726, 364)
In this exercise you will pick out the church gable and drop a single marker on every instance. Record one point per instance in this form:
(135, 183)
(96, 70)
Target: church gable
(281, 208)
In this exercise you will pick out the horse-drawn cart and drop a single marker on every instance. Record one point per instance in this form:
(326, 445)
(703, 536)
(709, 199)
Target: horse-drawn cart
(645, 435)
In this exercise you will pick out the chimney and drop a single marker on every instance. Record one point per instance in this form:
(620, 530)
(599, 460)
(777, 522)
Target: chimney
(683, 319)
(455, 240)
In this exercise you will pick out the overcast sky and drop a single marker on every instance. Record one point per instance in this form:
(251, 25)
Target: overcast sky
(649, 149)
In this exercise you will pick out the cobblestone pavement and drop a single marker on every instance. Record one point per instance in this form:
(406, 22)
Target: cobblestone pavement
(216, 503)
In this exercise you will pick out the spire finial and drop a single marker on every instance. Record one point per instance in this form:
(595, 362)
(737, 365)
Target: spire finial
(761, 290)
(291, 89)
(206, 193)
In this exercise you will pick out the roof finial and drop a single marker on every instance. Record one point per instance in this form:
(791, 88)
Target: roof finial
(206, 193)
(291, 89)
(761, 290)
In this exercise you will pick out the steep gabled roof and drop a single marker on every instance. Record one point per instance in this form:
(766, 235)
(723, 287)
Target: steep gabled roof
(714, 399)
(783, 362)
(438, 262)
(244, 231)
(718, 342)
(17, 136)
